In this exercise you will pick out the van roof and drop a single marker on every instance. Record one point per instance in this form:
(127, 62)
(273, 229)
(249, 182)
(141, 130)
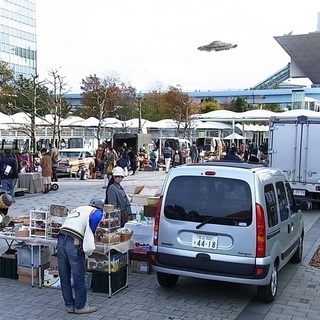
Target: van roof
(235, 164)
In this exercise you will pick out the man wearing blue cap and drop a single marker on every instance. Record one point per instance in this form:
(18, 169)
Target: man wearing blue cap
(75, 242)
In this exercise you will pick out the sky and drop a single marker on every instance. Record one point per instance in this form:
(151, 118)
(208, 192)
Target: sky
(152, 44)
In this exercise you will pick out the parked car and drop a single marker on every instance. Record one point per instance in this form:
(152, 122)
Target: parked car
(73, 159)
(234, 222)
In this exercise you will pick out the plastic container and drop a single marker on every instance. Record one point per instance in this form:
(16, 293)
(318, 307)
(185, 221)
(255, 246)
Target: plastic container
(24, 255)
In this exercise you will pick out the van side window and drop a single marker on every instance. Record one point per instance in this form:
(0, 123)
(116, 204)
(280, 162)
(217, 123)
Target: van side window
(292, 200)
(271, 204)
(282, 201)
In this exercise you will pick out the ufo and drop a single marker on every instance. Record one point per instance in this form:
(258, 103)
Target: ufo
(217, 46)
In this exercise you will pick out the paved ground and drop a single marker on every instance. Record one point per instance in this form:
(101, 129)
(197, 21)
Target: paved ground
(298, 297)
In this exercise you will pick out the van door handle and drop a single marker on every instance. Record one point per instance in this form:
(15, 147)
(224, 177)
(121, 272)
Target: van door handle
(290, 227)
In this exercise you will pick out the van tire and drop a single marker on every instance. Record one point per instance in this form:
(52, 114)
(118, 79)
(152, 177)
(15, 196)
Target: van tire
(268, 293)
(297, 256)
(167, 279)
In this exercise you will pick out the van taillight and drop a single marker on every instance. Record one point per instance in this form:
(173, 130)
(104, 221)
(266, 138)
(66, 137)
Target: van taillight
(261, 232)
(156, 222)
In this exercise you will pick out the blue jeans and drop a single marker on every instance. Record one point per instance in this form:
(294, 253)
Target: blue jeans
(8, 185)
(72, 262)
(154, 164)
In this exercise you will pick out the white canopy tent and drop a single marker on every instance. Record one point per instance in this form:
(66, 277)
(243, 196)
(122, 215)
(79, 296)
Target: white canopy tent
(234, 136)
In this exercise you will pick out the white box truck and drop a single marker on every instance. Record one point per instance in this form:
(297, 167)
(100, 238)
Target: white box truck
(294, 147)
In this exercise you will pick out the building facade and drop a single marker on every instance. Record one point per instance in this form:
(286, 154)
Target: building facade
(18, 43)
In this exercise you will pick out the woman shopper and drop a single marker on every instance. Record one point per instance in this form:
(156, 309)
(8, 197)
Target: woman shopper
(116, 195)
(46, 165)
(110, 160)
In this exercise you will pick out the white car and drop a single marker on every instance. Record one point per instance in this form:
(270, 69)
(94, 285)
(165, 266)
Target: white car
(73, 159)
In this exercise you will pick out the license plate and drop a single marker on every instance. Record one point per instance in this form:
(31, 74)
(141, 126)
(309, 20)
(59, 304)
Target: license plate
(204, 241)
(297, 192)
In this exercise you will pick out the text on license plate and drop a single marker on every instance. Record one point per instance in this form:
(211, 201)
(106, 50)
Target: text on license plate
(298, 192)
(204, 241)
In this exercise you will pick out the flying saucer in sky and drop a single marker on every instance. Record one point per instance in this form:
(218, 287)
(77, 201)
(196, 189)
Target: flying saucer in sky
(217, 46)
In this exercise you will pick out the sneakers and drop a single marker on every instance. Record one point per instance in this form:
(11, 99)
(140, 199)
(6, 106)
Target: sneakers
(70, 309)
(86, 309)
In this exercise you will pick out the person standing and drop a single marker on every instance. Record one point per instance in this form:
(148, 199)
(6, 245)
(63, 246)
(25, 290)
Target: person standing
(9, 173)
(116, 195)
(133, 160)
(75, 242)
(194, 152)
(153, 158)
(110, 160)
(177, 158)
(123, 160)
(54, 152)
(167, 155)
(46, 165)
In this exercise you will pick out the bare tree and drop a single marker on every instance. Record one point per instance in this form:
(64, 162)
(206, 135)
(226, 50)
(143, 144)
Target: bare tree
(59, 105)
(32, 97)
(101, 98)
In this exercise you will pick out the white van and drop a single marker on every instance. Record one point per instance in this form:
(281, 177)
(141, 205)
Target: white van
(234, 222)
(183, 145)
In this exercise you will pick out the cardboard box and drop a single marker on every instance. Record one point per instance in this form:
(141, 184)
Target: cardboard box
(23, 278)
(141, 194)
(22, 233)
(150, 192)
(138, 199)
(149, 211)
(138, 189)
(98, 262)
(27, 271)
(140, 267)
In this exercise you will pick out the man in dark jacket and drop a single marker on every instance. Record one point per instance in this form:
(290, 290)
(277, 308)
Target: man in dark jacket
(232, 155)
(8, 173)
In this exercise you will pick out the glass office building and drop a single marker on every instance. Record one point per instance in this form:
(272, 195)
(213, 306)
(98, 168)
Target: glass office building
(18, 45)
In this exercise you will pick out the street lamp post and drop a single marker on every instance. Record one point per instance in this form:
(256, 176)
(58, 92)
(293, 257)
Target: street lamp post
(139, 98)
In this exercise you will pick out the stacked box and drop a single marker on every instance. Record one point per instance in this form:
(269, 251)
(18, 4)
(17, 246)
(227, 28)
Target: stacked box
(99, 262)
(25, 274)
(140, 266)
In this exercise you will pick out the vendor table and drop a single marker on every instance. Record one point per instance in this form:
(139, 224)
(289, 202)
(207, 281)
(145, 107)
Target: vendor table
(31, 181)
(142, 233)
(101, 248)
(32, 242)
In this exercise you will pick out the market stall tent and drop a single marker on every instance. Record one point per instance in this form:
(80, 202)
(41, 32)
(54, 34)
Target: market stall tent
(234, 136)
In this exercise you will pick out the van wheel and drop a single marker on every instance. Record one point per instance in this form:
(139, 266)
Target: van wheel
(297, 256)
(268, 293)
(167, 279)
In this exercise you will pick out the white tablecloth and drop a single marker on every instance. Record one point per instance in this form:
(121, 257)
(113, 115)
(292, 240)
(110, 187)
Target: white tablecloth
(142, 233)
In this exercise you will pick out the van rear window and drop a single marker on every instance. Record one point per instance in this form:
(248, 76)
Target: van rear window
(198, 198)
